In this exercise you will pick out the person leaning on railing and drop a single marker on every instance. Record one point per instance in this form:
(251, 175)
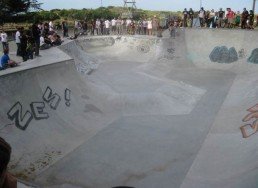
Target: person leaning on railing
(6, 179)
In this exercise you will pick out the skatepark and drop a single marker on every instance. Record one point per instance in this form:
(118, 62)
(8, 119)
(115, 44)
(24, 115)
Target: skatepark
(136, 111)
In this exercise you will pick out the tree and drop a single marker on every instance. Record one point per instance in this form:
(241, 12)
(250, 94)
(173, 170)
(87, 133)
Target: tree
(11, 9)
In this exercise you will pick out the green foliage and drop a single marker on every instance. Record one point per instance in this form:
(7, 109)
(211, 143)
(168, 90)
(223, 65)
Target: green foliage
(58, 15)
(48, 15)
(12, 10)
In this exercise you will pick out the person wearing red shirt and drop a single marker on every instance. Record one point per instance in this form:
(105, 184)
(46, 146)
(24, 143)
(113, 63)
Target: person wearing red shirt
(230, 18)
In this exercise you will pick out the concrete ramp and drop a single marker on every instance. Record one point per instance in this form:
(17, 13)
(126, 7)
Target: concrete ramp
(136, 111)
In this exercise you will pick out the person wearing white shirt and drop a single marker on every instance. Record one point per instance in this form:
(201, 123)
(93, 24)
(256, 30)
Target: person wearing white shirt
(128, 23)
(145, 25)
(107, 27)
(202, 16)
(4, 39)
(212, 18)
(18, 41)
(119, 26)
(51, 26)
(98, 26)
(113, 24)
(149, 26)
(43, 45)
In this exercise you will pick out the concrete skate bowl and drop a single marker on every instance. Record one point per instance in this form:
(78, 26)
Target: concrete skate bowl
(137, 111)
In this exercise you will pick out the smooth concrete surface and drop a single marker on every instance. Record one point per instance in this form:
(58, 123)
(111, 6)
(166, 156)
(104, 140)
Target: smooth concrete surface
(134, 111)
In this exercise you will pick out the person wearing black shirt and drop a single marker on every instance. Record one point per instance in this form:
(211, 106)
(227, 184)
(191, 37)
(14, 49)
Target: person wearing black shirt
(191, 16)
(221, 15)
(36, 38)
(244, 15)
(24, 41)
(185, 14)
(251, 19)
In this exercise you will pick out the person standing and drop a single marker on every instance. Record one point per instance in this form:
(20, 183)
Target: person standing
(77, 27)
(251, 19)
(51, 26)
(185, 15)
(113, 25)
(107, 27)
(84, 27)
(93, 26)
(18, 41)
(238, 19)
(212, 20)
(102, 26)
(221, 14)
(191, 16)
(128, 25)
(24, 40)
(149, 26)
(36, 38)
(244, 19)
(230, 17)
(98, 29)
(140, 27)
(202, 17)
(155, 25)
(65, 29)
(145, 25)
(4, 39)
(119, 26)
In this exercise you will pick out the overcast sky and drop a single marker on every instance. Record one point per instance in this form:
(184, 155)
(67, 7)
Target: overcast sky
(172, 5)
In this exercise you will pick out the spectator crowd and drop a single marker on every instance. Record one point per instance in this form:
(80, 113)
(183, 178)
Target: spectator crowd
(42, 36)
(38, 37)
(150, 26)
(118, 26)
(218, 19)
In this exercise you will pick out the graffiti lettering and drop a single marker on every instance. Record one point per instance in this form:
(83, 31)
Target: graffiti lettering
(250, 129)
(21, 121)
(67, 97)
(52, 99)
(37, 112)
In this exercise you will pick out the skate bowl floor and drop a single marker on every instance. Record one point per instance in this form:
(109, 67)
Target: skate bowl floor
(139, 111)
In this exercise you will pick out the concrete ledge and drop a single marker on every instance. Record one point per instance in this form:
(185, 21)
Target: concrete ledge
(50, 56)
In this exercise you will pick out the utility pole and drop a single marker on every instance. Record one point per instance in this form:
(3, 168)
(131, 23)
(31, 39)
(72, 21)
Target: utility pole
(129, 8)
(254, 1)
(200, 4)
(101, 3)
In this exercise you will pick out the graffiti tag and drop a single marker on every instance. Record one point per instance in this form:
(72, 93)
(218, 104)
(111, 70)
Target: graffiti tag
(250, 128)
(37, 109)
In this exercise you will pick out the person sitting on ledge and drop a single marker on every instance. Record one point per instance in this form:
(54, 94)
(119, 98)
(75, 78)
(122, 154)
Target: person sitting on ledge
(6, 61)
(6, 179)
(45, 43)
(55, 39)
